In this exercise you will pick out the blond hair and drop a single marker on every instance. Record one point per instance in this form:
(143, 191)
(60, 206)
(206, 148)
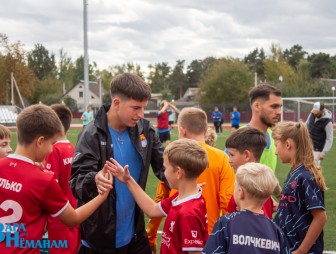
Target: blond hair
(211, 137)
(299, 133)
(257, 179)
(188, 155)
(194, 120)
(4, 132)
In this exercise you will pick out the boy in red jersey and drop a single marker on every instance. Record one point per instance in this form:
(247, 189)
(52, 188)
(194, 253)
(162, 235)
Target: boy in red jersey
(246, 145)
(27, 194)
(58, 163)
(5, 139)
(185, 229)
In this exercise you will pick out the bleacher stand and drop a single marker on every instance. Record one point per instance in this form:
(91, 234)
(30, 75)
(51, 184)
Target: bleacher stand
(8, 115)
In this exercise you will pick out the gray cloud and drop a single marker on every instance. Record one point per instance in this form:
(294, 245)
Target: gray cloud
(165, 31)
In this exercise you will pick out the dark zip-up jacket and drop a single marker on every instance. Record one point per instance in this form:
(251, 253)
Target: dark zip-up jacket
(93, 148)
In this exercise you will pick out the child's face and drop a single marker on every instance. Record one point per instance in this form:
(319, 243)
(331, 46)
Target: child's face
(170, 173)
(45, 148)
(5, 148)
(236, 159)
(282, 151)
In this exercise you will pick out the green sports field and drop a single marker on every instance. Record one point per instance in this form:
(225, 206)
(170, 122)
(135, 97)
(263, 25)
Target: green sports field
(329, 165)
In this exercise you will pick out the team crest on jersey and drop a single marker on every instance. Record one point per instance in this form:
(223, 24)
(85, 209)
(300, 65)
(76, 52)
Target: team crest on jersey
(171, 228)
(143, 140)
(194, 233)
(293, 185)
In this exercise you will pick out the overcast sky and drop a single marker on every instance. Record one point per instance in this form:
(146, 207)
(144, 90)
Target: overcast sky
(152, 31)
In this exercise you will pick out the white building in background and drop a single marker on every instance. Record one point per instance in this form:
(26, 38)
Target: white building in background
(96, 93)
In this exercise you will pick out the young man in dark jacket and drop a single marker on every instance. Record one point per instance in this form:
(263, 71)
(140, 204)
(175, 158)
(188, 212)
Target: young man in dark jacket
(119, 131)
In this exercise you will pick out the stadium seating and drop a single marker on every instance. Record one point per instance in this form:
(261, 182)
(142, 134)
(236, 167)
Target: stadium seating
(8, 115)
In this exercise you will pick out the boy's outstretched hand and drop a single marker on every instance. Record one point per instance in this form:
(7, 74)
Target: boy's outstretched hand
(122, 174)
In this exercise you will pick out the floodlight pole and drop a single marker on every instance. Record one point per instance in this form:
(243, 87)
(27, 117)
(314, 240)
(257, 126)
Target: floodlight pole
(86, 59)
(333, 111)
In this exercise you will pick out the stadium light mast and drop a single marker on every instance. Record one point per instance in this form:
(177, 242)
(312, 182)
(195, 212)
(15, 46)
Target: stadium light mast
(86, 58)
(333, 111)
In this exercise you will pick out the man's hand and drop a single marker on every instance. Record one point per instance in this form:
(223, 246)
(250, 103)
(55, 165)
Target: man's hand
(321, 156)
(104, 180)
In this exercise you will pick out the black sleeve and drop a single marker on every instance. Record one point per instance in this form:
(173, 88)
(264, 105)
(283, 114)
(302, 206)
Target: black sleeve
(157, 156)
(85, 166)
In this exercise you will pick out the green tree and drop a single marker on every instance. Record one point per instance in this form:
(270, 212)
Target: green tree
(255, 61)
(71, 103)
(195, 71)
(41, 62)
(13, 59)
(65, 70)
(277, 69)
(158, 77)
(178, 80)
(294, 55)
(321, 65)
(228, 81)
(48, 91)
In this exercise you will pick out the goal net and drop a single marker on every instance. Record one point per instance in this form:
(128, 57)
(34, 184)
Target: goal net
(298, 108)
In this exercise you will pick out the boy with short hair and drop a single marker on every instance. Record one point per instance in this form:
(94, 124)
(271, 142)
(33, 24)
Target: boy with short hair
(28, 191)
(185, 228)
(248, 231)
(247, 145)
(5, 140)
(218, 177)
(58, 164)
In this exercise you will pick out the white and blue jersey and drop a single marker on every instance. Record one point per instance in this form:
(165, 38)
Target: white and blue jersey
(246, 232)
(300, 195)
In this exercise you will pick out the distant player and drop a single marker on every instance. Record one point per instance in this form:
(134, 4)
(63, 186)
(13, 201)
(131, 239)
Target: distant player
(58, 163)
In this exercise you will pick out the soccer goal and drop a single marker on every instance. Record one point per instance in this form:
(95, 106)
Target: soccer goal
(298, 108)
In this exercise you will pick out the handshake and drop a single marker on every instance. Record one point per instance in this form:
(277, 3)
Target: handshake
(104, 178)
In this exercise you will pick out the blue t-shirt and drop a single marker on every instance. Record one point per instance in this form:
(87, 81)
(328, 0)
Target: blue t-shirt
(216, 116)
(299, 196)
(246, 232)
(235, 118)
(126, 154)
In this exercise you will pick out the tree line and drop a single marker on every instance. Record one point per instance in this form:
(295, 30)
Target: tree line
(296, 72)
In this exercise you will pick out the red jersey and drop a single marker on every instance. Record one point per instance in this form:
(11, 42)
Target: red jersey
(186, 225)
(58, 163)
(162, 120)
(267, 207)
(27, 197)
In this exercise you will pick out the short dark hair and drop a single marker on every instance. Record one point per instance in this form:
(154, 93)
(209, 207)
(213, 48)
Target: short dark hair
(35, 121)
(263, 91)
(130, 86)
(64, 114)
(247, 138)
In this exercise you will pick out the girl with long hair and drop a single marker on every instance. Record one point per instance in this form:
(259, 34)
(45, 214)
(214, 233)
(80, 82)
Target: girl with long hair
(301, 213)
